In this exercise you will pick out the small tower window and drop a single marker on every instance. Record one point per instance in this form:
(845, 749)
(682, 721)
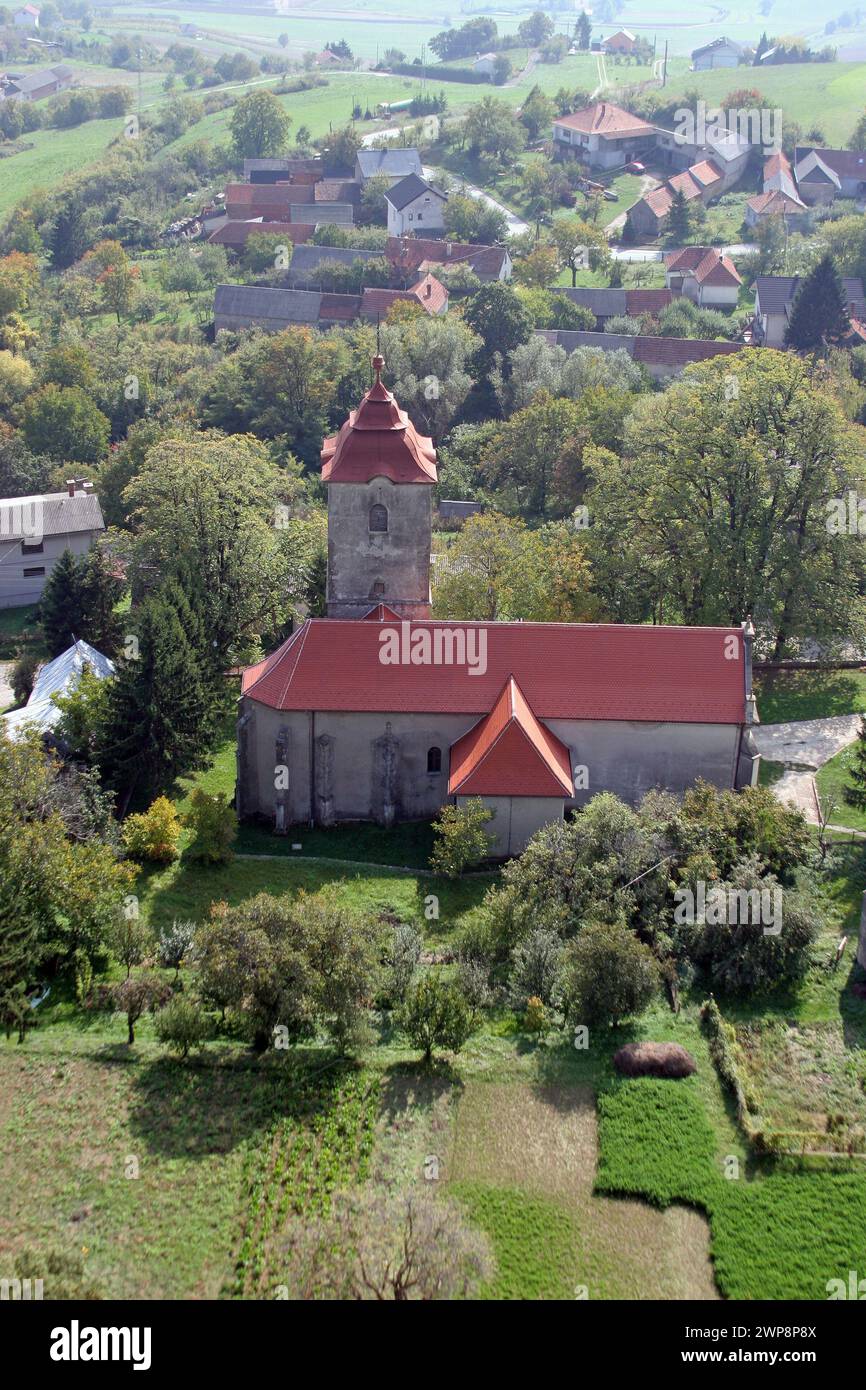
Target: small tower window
(434, 759)
(378, 517)
(378, 589)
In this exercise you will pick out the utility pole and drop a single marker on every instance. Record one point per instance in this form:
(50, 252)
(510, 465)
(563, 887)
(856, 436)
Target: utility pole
(665, 66)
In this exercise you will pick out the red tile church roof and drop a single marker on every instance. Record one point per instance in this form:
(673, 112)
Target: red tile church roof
(565, 671)
(378, 441)
(509, 751)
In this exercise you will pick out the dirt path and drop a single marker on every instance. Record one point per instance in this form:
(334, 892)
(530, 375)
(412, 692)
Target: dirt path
(805, 745)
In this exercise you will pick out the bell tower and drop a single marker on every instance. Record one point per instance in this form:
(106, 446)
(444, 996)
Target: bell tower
(380, 474)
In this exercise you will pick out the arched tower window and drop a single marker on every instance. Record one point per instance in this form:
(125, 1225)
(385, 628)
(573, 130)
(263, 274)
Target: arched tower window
(378, 517)
(434, 759)
(378, 589)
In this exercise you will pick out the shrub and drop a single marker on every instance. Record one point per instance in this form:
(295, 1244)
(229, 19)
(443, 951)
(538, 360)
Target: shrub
(535, 968)
(129, 940)
(461, 837)
(401, 961)
(174, 944)
(181, 1025)
(134, 997)
(214, 826)
(608, 974)
(435, 1014)
(535, 1016)
(152, 836)
(23, 677)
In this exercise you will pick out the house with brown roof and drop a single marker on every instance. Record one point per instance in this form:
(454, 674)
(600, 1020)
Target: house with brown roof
(847, 170)
(623, 41)
(602, 135)
(774, 203)
(818, 184)
(235, 235)
(379, 713)
(616, 303)
(704, 275)
(662, 358)
(413, 254)
(648, 216)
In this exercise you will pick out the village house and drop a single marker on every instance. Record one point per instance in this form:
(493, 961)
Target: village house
(394, 164)
(704, 275)
(27, 17)
(774, 203)
(378, 713)
(661, 358)
(614, 303)
(34, 533)
(413, 254)
(414, 203)
(283, 170)
(235, 235)
(34, 86)
(623, 41)
(843, 171)
(774, 297)
(817, 183)
(484, 64)
(602, 135)
(719, 53)
(273, 310)
(649, 215)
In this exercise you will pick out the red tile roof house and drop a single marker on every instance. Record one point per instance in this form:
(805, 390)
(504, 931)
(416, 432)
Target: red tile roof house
(649, 215)
(704, 275)
(379, 713)
(602, 135)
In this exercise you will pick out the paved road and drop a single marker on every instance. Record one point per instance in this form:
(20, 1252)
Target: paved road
(514, 225)
(805, 745)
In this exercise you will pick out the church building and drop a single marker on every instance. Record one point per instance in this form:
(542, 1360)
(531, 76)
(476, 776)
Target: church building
(378, 712)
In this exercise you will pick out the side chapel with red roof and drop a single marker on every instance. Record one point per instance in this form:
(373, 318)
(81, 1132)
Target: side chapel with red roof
(379, 713)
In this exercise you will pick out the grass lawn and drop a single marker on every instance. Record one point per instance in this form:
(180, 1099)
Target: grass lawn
(50, 154)
(788, 695)
(832, 781)
(19, 629)
(775, 1234)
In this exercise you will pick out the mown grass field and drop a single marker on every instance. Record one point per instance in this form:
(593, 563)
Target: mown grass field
(788, 695)
(833, 781)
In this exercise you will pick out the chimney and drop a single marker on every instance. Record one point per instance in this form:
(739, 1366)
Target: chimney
(70, 486)
(87, 487)
(448, 248)
(428, 290)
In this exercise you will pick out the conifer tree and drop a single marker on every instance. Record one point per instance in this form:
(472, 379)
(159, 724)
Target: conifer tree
(60, 607)
(157, 722)
(819, 313)
(855, 790)
(680, 217)
(101, 588)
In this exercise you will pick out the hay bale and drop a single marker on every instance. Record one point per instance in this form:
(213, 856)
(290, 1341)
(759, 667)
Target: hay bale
(666, 1060)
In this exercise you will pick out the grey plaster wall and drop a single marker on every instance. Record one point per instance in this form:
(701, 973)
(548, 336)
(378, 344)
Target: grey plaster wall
(366, 763)
(359, 559)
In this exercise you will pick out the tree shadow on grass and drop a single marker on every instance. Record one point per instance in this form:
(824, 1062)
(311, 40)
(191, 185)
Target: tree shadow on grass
(787, 695)
(192, 1109)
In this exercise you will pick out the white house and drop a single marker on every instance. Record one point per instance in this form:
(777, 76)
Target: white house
(704, 275)
(484, 63)
(35, 531)
(414, 205)
(602, 135)
(27, 17)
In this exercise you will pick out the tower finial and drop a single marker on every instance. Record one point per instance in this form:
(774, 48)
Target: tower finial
(378, 364)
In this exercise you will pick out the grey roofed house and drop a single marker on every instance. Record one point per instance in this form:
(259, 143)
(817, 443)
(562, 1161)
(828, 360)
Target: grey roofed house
(604, 303)
(306, 258)
(399, 195)
(50, 514)
(396, 164)
(248, 306)
(323, 214)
